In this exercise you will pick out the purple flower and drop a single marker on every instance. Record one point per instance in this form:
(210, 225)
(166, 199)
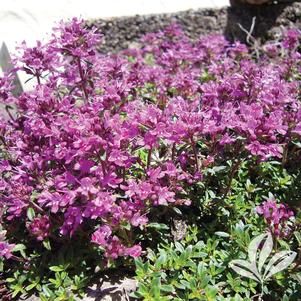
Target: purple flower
(56, 200)
(100, 206)
(36, 60)
(101, 235)
(117, 157)
(163, 196)
(114, 248)
(39, 227)
(139, 220)
(276, 216)
(72, 220)
(84, 166)
(86, 188)
(291, 39)
(102, 139)
(6, 87)
(6, 249)
(134, 251)
(73, 39)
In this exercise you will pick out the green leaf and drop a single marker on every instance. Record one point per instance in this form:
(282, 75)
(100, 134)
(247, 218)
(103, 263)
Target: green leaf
(158, 226)
(30, 286)
(31, 213)
(16, 292)
(266, 250)
(46, 244)
(222, 234)
(167, 288)
(43, 298)
(297, 143)
(245, 269)
(285, 298)
(161, 260)
(19, 247)
(279, 262)
(46, 291)
(185, 283)
(179, 247)
(54, 281)
(135, 295)
(177, 210)
(156, 287)
(56, 268)
(10, 280)
(211, 293)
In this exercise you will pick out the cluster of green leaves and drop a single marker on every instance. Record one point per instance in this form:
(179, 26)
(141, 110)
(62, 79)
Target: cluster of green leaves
(52, 274)
(197, 267)
(59, 288)
(199, 270)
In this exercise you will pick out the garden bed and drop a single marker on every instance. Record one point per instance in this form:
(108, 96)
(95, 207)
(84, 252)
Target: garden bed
(113, 156)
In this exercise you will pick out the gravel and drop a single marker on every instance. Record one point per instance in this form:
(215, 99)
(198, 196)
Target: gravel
(121, 33)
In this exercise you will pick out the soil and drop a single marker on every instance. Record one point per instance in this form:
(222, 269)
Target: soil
(271, 19)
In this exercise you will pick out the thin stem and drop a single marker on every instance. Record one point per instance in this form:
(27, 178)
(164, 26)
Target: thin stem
(38, 79)
(3, 140)
(232, 173)
(83, 80)
(286, 146)
(40, 210)
(37, 207)
(149, 157)
(17, 258)
(195, 153)
(7, 109)
(173, 152)
(142, 165)
(103, 167)
(123, 174)
(261, 295)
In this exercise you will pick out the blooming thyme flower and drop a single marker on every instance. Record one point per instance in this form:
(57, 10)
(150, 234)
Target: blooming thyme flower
(74, 39)
(276, 217)
(39, 227)
(103, 139)
(36, 60)
(6, 249)
(291, 39)
(101, 235)
(134, 251)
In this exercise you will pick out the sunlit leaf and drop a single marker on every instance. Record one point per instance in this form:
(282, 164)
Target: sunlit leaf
(265, 252)
(254, 246)
(245, 269)
(279, 262)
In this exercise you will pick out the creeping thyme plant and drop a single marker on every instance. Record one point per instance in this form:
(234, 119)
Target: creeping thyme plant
(107, 152)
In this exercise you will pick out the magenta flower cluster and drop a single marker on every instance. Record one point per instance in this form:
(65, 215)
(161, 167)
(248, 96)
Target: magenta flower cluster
(276, 216)
(5, 247)
(102, 139)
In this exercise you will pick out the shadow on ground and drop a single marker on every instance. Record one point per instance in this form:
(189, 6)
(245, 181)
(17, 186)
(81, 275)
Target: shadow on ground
(112, 286)
(270, 20)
